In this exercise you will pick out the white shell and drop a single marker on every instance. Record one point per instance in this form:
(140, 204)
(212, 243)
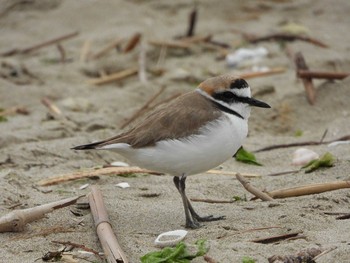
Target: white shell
(172, 238)
(84, 186)
(119, 164)
(303, 156)
(123, 185)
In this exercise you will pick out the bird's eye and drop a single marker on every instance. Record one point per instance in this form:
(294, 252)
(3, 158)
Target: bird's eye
(228, 95)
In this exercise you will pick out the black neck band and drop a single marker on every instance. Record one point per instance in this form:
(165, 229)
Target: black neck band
(225, 109)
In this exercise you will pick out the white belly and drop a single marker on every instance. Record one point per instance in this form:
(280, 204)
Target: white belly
(217, 142)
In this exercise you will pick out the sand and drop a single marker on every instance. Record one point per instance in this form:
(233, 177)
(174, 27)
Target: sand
(34, 147)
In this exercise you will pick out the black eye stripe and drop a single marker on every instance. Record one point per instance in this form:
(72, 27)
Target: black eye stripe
(229, 97)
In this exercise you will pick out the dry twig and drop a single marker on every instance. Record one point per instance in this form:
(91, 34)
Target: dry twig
(109, 242)
(170, 44)
(250, 188)
(93, 173)
(132, 43)
(16, 220)
(309, 189)
(53, 109)
(308, 85)
(39, 45)
(273, 239)
(211, 201)
(297, 144)
(232, 173)
(286, 37)
(308, 74)
(114, 77)
(68, 243)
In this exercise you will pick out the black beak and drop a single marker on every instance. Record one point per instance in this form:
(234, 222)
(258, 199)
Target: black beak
(258, 103)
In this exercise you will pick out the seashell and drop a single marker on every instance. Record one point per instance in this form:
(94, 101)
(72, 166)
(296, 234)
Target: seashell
(303, 156)
(171, 238)
(119, 164)
(123, 185)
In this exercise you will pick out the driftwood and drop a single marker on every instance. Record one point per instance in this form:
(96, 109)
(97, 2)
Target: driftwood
(273, 239)
(16, 221)
(308, 85)
(93, 173)
(109, 242)
(250, 188)
(321, 74)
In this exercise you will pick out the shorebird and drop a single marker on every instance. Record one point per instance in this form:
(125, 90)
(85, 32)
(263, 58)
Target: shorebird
(189, 135)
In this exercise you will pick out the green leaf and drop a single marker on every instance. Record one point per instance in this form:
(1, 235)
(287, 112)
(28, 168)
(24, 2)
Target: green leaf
(3, 119)
(246, 157)
(326, 160)
(178, 254)
(247, 260)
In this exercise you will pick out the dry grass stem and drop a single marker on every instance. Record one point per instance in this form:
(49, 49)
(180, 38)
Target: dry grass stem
(114, 77)
(16, 221)
(170, 44)
(108, 240)
(309, 189)
(93, 173)
(53, 109)
(104, 51)
(274, 239)
(321, 74)
(250, 188)
(212, 201)
(132, 43)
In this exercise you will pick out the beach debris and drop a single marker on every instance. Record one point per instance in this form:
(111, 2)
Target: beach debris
(294, 28)
(54, 111)
(170, 238)
(307, 143)
(244, 156)
(326, 160)
(16, 220)
(192, 21)
(307, 255)
(274, 239)
(247, 259)
(311, 74)
(114, 77)
(300, 64)
(75, 245)
(77, 104)
(284, 37)
(119, 164)
(183, 253)
(209, 259)
(12, 111)
(303, 156)
(242, 55)
(38, 46)
(212, 201)
(123, 185)
(84, 186)
(91, 173)
(132, 43)
(309, 189)
(250, 188)
(108, 240)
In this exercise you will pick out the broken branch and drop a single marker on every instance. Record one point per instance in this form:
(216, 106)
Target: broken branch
(109, 242)
(250, 188)
(321, 74)
(274, 239)
(17, 220)
(308, 85)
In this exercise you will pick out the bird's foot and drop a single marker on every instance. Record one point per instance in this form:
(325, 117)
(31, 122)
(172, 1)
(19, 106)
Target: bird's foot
(193, 224)
(208, 218)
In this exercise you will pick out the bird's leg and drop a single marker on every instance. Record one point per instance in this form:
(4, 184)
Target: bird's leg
(180, 185)
(195, 216)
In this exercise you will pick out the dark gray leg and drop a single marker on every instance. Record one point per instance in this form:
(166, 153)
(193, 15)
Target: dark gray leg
(180, 184)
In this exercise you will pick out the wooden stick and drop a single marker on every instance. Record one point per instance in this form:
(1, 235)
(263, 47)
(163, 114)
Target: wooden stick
(114, 77)
(257, 74)
(85, 51)
(321, 74)
(287, 145)
(309, 189)
(14, 110)
(192, 22)
(132, 43)
(108, 240)
(246, 184)
(49, 42)
(113, 45)
(62, 52)
(75, 245)
(143, 108)
(277, 238)
(170, 44)
(287, 37)
(53, 109)
(308, 85)
(17, 220)
(93, 173)
(232, 173)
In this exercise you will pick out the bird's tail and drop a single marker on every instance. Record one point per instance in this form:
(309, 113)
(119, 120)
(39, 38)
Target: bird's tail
(89, 146)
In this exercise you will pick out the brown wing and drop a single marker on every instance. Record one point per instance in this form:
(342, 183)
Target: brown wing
(180, 118)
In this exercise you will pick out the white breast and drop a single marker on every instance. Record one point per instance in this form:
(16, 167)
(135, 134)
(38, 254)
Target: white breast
(216, 142)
